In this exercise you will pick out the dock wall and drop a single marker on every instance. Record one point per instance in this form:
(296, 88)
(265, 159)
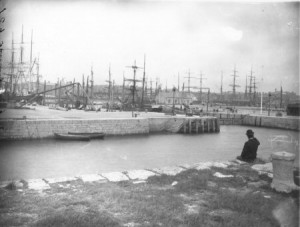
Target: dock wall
(290, 123)
(38, 129)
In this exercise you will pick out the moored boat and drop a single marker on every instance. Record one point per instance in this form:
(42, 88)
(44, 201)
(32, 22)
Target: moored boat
(71, 137)
(91, 135)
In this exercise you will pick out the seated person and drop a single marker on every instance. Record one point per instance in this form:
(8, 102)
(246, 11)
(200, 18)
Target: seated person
(250, 148)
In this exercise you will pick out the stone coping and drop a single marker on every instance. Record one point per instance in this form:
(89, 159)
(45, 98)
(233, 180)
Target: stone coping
(137, 176)
(104, 118)
(283, 155)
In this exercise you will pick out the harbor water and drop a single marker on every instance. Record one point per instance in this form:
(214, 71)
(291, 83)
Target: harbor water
(49, 158)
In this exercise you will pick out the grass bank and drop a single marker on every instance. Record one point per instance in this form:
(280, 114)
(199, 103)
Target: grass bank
(190, 198)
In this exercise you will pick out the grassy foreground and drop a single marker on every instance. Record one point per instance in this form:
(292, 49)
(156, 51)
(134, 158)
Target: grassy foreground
(191, 198)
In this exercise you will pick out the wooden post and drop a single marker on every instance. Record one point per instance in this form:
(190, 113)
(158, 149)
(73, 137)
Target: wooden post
(59, 93)
(190, 126)
(202, 125)
(55, 93)
(208, 125)
(213, 125)
(218, 125)
(73, 92)
(197, 125)
(184, 127)
(44, 103)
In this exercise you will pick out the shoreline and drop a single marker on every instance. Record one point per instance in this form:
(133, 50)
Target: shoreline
(135, 175)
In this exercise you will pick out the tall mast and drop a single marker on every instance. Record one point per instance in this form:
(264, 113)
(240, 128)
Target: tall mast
(146, 87)
(189, 80)
(87, 86)
(83, 85)
(246, 87)
(12, 87)
(123, 87)
(178, 82)
(92, 82)
(166, 85)
(112, 91)
(261, 93)
(254, 90)
(144, 75)
(221, 89)
(151, 88)
(20, 69)
(22, 47)
(280, 95)
(201, 84)
(37, 75)
(251, 82)
(134, 80)
(30, 66)
(234, 85)
(109, 84)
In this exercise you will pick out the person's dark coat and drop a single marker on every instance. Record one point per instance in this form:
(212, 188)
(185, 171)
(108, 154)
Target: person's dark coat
(250, 149)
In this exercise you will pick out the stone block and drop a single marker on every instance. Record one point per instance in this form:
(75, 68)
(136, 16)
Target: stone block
(220, 175)
(139, 174)
(92, 178)
(264, 168)
(37, 184)
(169, 170)
(115, 176)
(283, 174)
(59, 179)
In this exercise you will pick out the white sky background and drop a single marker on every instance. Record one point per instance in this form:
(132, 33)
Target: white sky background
(70, 36)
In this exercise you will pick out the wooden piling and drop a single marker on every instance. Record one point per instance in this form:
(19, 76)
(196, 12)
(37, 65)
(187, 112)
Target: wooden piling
(184, 127)
(208, 125)
(197, 126)
(218, 125)
(213, 125)
(202, 125)
(190, 126)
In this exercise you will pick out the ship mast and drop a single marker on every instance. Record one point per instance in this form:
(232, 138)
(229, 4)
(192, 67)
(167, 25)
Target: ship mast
(143, 89)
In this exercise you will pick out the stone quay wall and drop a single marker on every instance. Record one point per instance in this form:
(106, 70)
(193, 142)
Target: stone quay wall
(39, 129)
(290, 123)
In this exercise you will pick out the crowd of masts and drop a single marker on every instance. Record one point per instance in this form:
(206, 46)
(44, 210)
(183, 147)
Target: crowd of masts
(23, 78)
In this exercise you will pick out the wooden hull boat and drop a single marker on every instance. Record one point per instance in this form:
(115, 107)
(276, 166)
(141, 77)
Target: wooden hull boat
(92, 135)
(71, 137)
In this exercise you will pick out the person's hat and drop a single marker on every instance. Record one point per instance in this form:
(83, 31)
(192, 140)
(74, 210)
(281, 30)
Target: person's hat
(249, 132)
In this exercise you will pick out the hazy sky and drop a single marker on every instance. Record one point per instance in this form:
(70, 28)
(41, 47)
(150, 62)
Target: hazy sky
(71, 36)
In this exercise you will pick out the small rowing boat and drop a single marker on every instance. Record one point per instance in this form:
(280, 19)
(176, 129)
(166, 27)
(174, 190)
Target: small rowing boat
(92, 135)
(71, 137)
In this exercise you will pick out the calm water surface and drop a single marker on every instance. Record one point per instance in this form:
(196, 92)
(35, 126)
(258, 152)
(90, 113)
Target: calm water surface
(52, 158)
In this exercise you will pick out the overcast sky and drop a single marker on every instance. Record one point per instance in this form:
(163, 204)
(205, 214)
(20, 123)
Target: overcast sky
(176, 36)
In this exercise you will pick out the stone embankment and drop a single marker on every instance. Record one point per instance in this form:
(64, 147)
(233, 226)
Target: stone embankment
(41, 128)
(135, 176)
(290, 123)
